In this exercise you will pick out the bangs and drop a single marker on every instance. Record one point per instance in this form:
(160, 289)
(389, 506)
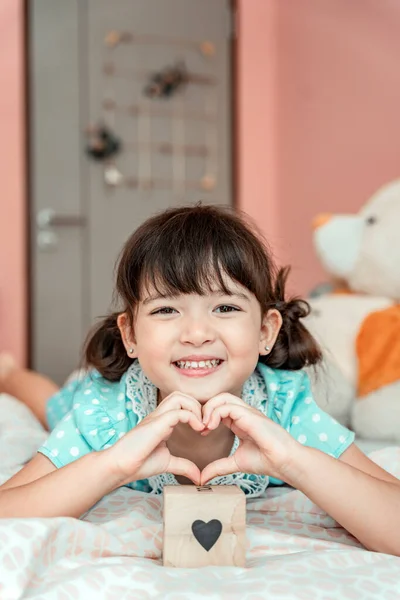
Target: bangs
(199, 264)
(194, 250)
(191, 278)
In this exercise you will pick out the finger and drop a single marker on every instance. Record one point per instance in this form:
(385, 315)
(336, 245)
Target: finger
(184, 467)
(159, 428)
(178, 400)
(235, 412)
(252, 423)
(227, 421)
(223, 466)
(171, 418)
(219, 401)
(205, 432)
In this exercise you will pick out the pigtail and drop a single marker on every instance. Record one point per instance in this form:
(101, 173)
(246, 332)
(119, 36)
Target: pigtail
(105, 351)
(295, 347)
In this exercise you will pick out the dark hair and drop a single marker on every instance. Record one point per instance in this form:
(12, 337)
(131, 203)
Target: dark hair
(173, 252)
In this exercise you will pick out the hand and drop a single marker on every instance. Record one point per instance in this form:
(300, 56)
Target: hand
(265, 447)
(143, 451)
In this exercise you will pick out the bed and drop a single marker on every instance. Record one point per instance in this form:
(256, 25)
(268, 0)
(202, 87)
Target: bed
(295, 551)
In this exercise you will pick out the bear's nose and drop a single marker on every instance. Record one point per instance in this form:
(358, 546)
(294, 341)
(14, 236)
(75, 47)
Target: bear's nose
(320, 220)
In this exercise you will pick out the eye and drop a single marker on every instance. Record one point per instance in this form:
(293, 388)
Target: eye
(165, 310)
(226, 308)
(371, 220)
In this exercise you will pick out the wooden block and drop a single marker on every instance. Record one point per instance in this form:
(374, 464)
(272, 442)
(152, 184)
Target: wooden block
(204, 526)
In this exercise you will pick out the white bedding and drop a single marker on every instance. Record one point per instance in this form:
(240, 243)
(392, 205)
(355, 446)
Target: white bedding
(295, 551)
(368, 446)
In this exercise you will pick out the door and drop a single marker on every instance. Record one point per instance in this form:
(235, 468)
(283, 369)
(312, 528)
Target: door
(130, 112)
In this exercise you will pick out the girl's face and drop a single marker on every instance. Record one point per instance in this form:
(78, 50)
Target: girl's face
(200, 345)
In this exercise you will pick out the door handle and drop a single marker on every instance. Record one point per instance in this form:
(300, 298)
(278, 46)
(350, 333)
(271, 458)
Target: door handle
(47, 217)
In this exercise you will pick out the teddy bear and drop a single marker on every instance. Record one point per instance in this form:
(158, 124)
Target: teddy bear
(357, 322)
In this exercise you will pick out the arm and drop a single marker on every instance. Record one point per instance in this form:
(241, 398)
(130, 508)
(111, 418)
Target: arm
(367, 505)
(41, 490)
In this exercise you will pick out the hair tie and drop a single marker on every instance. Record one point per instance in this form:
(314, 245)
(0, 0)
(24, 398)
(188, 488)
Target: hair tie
(281, 305)
(296, 309)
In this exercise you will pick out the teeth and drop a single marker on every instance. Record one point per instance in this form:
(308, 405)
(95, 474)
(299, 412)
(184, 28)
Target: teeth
(191, 364)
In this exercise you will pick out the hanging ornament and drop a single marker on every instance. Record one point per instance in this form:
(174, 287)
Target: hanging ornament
(207, 48)
(167, 82)
(112, 38)
(112, 176)
(102, 143)
(208, 183)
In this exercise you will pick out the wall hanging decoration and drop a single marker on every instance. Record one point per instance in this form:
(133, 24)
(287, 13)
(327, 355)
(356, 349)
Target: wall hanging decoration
(156, 110)
(114, 38)
(167, 150)
(102, 146)
(102, 143)
(166, 82)
(112, 175)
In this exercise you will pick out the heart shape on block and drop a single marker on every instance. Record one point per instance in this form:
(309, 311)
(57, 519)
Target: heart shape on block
(207, 533)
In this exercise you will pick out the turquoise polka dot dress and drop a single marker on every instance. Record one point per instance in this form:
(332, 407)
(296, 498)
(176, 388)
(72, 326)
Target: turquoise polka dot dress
(92, 414)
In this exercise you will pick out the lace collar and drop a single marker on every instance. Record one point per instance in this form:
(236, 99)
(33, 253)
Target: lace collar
(143, 395)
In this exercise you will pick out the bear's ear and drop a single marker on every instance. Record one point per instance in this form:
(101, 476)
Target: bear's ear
(378, 350)
(340, 287)
(320, 220)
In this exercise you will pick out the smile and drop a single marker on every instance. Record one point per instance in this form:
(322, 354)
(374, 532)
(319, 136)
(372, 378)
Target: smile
(198, 368)
(201, 364)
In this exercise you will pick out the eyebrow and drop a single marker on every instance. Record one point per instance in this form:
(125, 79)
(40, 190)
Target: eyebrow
(219, 293)
(240, 295)
(158, 297)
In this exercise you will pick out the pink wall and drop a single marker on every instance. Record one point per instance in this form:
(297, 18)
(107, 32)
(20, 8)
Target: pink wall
(257, 118)
(12, 176)
(318, 112)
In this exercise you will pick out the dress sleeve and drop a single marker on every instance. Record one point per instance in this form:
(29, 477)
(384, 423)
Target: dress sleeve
(100, 415)
(313, 427)
(291, 405)
(65, 443)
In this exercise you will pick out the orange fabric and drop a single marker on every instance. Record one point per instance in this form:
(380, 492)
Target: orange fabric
(378, 350)
(342, 290)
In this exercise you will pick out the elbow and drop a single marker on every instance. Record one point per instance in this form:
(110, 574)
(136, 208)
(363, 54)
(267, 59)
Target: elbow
(387, 547)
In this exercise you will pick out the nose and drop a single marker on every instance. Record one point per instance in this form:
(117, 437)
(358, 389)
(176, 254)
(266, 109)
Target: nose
(321, 220)
(197, 332)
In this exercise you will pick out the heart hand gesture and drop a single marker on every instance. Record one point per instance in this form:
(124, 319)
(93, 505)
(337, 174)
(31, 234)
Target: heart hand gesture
(265, 447)
(143, 451)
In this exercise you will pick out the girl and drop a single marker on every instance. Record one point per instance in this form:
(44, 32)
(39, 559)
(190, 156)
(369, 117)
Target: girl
(197, 378)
